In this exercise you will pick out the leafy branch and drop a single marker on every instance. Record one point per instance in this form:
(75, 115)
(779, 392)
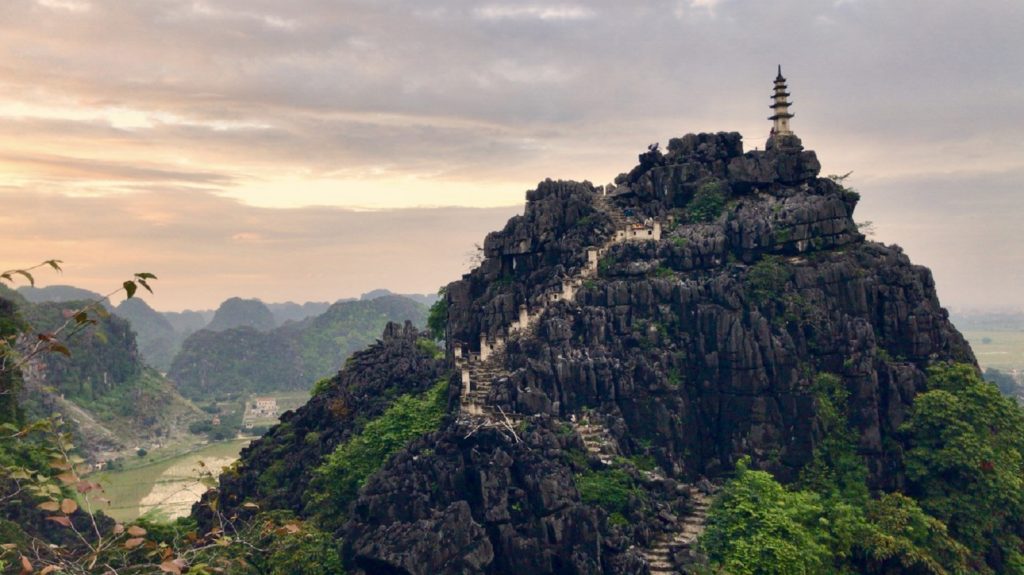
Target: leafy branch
(18, 350)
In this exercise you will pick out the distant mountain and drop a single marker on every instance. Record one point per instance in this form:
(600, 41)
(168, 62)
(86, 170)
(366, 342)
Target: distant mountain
(188, 321)
(238, 312)
(60, 293)
(103, 388)
(291, 311)
(293, 356)
(425, 299)
(158, 340)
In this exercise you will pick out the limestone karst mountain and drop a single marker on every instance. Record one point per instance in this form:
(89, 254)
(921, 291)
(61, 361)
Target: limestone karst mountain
(237, 312)
(242, 359)
(640, 337)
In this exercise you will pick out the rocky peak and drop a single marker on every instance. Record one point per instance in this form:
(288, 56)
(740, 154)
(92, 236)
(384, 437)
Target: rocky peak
(643, 335)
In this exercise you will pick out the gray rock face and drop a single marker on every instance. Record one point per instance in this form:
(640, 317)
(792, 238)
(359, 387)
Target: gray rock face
(478, 504)
(691, 351)
(705, 344)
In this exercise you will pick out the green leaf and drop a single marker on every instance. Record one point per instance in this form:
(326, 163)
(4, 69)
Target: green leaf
(55, 264)
(130, 288)
(145, 276)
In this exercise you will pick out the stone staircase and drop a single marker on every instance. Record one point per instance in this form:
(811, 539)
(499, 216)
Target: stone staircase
(660, 555)
(480, 370)
(597, 440)
(617, 216)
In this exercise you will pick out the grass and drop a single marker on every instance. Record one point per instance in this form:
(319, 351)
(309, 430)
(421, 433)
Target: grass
(128, 489)
(1002, 350)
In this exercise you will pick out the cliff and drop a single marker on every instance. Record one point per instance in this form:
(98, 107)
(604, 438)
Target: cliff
(617, 348)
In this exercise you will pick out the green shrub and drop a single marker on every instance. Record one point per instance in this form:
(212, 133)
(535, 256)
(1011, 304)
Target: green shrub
(337, 481)
(965, 462)
(437, 318)
(767, 279)
(429, 347)
(708, 203)
(321, 385)
(609, 489)
(755, 526)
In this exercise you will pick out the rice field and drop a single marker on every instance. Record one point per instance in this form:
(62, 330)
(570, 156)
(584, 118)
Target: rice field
(168, 487)
(1002, 350)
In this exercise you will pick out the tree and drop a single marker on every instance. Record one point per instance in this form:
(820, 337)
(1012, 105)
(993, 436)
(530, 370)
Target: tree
(757, 527)
(437, 321)
(965, 462)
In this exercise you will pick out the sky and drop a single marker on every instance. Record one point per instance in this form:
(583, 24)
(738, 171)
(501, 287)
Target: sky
(317, 149)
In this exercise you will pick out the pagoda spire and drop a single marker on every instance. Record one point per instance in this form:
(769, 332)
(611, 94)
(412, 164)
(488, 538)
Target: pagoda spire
(780, 107)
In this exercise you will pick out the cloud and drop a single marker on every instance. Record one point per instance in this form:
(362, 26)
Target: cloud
(543, 12)
(206, 248)
(392, 104)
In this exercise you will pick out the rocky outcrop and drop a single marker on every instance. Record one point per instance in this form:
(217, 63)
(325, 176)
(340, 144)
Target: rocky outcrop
(276, 469)
(649, 364)
(486, 503)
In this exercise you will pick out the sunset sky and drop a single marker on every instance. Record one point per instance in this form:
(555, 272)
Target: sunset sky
(317, 149)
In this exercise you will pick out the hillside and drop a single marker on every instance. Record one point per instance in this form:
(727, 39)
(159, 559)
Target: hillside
(245, 360)
(157, 339)
(113, 401)
(634, 365)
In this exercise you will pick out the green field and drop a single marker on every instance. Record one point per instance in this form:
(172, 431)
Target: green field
(170, 485)
(1002, 350)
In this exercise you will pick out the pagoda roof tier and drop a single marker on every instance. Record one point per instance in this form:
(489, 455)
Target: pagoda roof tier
(782, 94)
(781, 105)
(780, 116)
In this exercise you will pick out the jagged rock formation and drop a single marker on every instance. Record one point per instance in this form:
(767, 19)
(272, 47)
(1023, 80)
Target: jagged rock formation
(679, 316)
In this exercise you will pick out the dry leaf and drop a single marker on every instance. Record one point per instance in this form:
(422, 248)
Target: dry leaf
(170, 566)
(60, 519)
(136, 531)
(68, 506)
(133, 542)
(49, 506)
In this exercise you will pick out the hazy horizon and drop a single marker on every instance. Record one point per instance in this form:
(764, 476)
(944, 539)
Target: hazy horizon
(318, 149)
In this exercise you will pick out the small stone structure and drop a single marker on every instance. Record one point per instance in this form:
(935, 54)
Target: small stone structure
(263, 407)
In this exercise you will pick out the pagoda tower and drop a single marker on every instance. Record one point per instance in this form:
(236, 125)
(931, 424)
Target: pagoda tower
(781, 107)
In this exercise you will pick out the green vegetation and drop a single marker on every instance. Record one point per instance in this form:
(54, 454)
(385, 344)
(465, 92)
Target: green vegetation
(767, 279)
(965, 461)
(437, 318)
(756, 526)
(707, 204)
(429, 347)
(610, 489)
(828, 522)
(338, 479)
(663, 271)
(321, 385)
